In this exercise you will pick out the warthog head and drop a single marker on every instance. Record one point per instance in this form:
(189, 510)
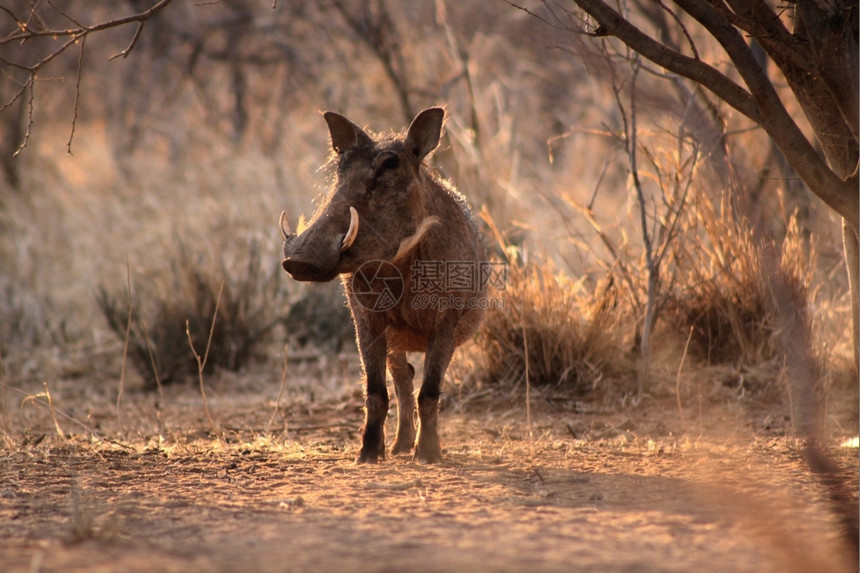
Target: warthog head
(375, 209)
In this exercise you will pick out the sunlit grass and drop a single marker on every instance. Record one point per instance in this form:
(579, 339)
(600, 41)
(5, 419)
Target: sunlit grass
(851, 443)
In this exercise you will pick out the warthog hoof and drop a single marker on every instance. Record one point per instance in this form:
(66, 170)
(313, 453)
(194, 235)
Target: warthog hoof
(428, 450)
(403, 444)
(368, 457)
(372, 445)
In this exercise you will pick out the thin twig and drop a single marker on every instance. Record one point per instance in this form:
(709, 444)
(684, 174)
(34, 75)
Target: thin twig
(131, 44)
(678, 378)
(153, 362)
(74, 35)
(65, 14)
(652, 266)
(27, 32)
(50, 403)
(77, 95)
(35, 399)
(30, 106)
(528, 390)
(121, 390)
(201, 363)
(8, 11)
(280, 392)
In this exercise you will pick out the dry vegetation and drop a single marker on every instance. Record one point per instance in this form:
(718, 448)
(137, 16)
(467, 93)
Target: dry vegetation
(555, 333)
(185, 152)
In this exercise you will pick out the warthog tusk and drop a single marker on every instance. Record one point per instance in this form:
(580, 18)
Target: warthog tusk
(352, 232)
(285, 227)
(410, 242)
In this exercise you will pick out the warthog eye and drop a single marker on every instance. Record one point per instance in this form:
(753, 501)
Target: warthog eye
(391, 162)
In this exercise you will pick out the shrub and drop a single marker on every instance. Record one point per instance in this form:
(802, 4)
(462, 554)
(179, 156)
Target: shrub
(727, 293)
(567, 337)
(27, 320)
(253, 300)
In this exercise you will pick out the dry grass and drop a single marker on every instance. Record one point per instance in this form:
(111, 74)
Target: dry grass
(725, 293)
(188, 295)
(559, 332)
(25, 320)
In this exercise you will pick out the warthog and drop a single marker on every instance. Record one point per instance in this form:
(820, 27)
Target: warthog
(404, 243)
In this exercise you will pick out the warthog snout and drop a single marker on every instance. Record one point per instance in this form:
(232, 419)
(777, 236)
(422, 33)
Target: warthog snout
(311, 257)
(302, 270)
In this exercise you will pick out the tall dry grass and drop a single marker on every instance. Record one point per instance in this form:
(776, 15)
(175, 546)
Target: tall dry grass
(163, 314)
(550, 330)
(725, 295)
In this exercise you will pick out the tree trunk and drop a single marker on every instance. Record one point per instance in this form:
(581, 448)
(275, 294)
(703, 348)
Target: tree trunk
(852, 261)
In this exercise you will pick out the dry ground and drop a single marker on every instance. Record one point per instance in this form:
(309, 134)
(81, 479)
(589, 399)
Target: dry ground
(584, 490)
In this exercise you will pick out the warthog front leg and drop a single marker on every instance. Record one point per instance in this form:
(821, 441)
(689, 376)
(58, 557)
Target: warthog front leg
(439, 352)
(373, 350)
(402, 372)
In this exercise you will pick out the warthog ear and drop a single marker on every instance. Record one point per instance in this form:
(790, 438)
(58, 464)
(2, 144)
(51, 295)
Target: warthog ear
(425, 131)
(344, 134)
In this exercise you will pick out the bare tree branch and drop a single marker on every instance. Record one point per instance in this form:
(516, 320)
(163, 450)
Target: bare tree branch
(761, 22)
(77, 94)
(611, 23)
(840, 195)
(26, 32)
(761, 103)
(131, 44)
(34, 27)
(372, 24)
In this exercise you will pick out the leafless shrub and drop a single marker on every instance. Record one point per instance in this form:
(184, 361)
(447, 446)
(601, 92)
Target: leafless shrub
(723, 297)
(251, 304)
(25, 319)
(563, 334)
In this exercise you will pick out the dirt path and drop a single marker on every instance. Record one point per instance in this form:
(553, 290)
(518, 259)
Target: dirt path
(623, 499)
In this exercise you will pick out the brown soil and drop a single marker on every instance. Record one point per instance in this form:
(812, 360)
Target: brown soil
(574, 491)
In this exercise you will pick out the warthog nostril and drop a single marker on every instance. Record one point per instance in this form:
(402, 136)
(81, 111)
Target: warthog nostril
(301, 270)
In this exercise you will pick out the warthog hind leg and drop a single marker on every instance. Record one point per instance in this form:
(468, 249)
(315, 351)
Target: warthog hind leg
(402, 372)
(428, 449)
(439, 352)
